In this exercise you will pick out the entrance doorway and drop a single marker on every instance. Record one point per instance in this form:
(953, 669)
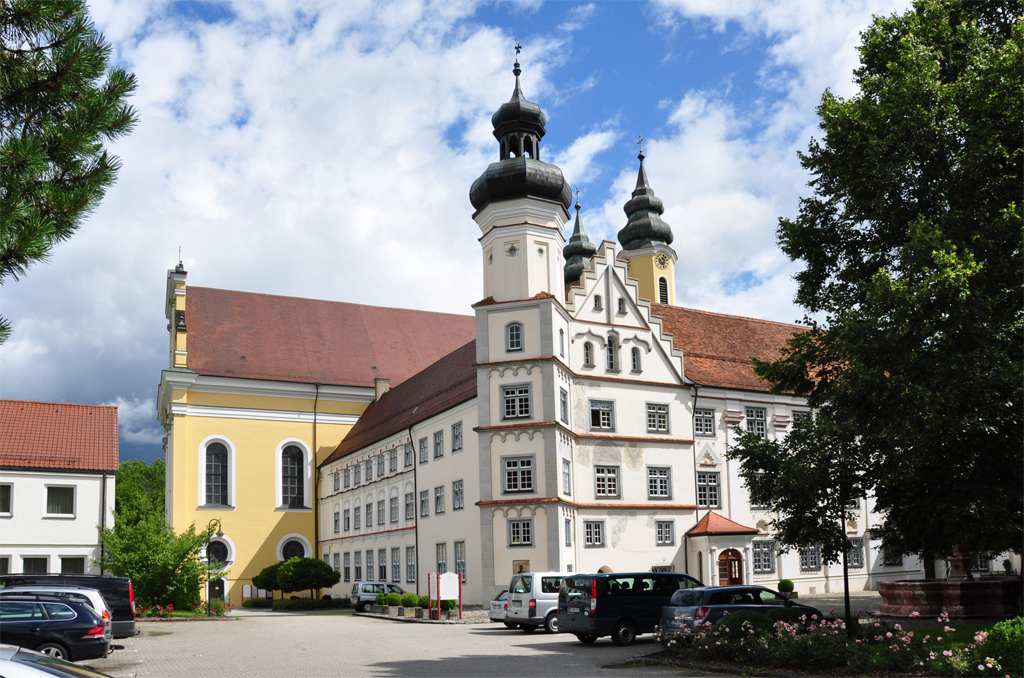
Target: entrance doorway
(217, 589)
(730, 570)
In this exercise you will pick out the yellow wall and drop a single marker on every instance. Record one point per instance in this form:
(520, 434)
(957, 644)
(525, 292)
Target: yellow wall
(647, 273)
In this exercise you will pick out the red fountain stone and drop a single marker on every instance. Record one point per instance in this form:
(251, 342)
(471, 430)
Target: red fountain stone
(960, 599)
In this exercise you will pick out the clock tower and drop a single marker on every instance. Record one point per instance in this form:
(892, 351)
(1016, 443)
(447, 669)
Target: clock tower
(645, 243)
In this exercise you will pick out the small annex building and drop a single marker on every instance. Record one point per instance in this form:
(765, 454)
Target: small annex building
(58, 464)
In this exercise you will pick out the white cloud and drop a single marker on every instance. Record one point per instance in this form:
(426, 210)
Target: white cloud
(136, 420)
(577, 18)
(577, 161)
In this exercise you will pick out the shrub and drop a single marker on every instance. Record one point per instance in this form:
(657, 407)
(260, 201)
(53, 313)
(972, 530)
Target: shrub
(410, 600)
(312, 604)
(381, 597)
(393, 599)
(786, 586)
(449, 604)
(326, 596)
(258, 603)
(1006, 643)
(218, 607)
(423, 602)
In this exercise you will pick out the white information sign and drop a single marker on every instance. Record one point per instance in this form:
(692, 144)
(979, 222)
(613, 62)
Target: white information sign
(449, 586)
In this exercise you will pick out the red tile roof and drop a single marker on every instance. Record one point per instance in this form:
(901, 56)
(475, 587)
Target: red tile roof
(717, 348)
(445, 384)
(58, 436)
(262, 336)
(714, 523)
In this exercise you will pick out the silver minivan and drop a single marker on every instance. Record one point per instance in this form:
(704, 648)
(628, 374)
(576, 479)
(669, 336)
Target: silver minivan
(533, 601)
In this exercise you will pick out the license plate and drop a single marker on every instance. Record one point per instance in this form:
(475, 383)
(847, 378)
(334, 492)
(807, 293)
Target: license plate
(574, 610)
(517, 603)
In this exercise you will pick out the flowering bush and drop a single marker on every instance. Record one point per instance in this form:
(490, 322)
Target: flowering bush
(154, 610)
(219, 608)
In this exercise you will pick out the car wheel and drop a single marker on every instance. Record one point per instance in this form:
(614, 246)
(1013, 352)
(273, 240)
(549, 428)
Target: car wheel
(511, 625)
(551, 623)
(587, 638)
(624, 633)
(528, 629)
(366, 607)
(55, 650)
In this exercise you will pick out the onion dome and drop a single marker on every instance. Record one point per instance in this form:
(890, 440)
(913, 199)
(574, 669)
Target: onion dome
(578, 251)
(519, 127)
(644, 226)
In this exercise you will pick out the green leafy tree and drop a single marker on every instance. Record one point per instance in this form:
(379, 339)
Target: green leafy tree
(59, 104)
(267, 578)
(911, 244)
(139, 490)
(301, 574)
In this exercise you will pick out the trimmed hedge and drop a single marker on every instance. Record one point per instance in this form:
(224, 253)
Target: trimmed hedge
(410, 600)
(258, 603)
(1006, 640)
(393, 599)
(786, 586)
(311, 604)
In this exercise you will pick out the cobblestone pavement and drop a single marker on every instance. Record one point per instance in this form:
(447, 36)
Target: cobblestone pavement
(331, 644)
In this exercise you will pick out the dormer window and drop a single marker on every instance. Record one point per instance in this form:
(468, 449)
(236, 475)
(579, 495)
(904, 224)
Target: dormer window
(514, 337)
(588, 354)
(597, 302)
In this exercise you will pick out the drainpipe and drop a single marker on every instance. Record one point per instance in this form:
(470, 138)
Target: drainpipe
(415, 507)
(316, 482)
(696, 511)
(103, 515)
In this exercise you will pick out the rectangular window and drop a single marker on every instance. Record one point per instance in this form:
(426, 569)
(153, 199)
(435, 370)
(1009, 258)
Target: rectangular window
(891, 558)
(337, 562)
(408, 455)
(754, 505)
(348, 520)
(704, 422)
(763, 556)
(5, 498)
(355, 518)
(394, 509)
(756, 421)
(425, 503)
(359, 566)
(423, 450)
(382, 565)
(810, 558)
(593, 533)
(337, 522)
(520, 532)
(519, 474)
(566, 477)
(664, 534)
(396, 564)
(516, 401)
(380, 512)
(369, 470)
(380, 465)
(515, 337)
(337, 481)
(458, 497)
(357, 472)
(410, 563)
(456, 437)
(561, 343)
(442, 558)
(348, 477)
(410, 506)
(800, 417)
(72, 565)
(33, 565)
(855, 556)
(657, 418)
(601, 415)
(563, 405)
(347, 570)
(393, 460)
(854, 504)
(568, 532)
(657, 483)
(369, 515)
(708, 495)
(611, 356)
(369, 566)
(460, 560)
(438, 444)
(60, 501)
(607, 481)
(439, 499)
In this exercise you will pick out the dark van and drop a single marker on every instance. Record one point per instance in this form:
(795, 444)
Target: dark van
(117, 591)
(622, 606)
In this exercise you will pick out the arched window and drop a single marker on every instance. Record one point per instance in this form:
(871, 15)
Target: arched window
(610, 354)
(528, 147)
(216, 474)
(514, 337)
(663, 290)
(561, 343)
(622, 305)
(217, 553)
(293, 548)
(635, 355)
(597, 302)
(292, 495)
(513, 147)
(588, 354)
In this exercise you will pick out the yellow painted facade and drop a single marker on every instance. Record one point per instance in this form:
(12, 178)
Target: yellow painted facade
(647, 273)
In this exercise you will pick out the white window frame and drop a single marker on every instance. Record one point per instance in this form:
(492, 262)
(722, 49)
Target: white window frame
(410, 455)
(356, 521)
(566, 477)
(337, 522)
(588, 354)
(622, 305)
(347, 473)
(423, 450)
(441, 557)
(563, 405)
(424, 503)
(74, 501)
(810, 558)
(346, 519)
(396, 564)
(665, 532)
(514, 339)
(568, 532)
(307, 467)
(634, 358)
(518, 470)
(381, 466)
(659, 412)
(393, 509)
(757, 421)
(516, 393)
(439, 499)
(602, 406)
(704, 422)
(611, 356)
(358, 565)
(438, 444)
(656, 477)
(226, 442)
(337, 481)
(456, 436)
(287, 538)
(346, 568)
(709, 488)
(762, 556)
(609, 474)
(561, 343)
(597, 303)
(393, 460)
(410, 564)
(593, 533)
(410, 505)
(855, 556)
(460, 559)
(520, 529)
(381, 512)
(10, 496)
(458, 495)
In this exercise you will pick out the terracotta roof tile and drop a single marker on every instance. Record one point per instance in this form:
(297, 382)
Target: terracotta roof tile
(262, 336)
(58, 435)
(717, 348)
(714, 523)
(443, 385)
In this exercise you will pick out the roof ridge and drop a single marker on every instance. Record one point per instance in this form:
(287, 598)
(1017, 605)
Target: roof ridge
(53, 402)
(729, 315)
(325, 301)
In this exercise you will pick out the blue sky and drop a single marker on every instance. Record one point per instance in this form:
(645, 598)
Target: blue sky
(326, 150)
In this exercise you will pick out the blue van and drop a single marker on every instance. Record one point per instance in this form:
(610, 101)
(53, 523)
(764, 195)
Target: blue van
(622, 606)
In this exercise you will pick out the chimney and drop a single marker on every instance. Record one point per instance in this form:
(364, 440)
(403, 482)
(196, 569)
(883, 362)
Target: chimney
(380, 387)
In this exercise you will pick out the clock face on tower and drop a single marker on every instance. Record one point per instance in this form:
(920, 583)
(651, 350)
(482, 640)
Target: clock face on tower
(661, 261)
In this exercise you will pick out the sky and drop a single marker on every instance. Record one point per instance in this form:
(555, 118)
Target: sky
(326, 150)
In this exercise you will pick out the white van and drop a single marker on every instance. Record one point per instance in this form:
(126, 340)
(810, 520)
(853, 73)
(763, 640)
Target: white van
(533, 601)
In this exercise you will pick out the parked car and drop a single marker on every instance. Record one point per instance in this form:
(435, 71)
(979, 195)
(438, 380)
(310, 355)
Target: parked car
(622, 606)
(688, 610)
(117, 591)
(91, 597)
(499, 610)
(59, 627)
(20, 662)
(364, 593)
(533, 601)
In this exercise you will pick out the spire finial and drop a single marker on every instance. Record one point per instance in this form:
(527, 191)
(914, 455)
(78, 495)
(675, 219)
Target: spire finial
(515, 69)
(641, 144)
(577, 198)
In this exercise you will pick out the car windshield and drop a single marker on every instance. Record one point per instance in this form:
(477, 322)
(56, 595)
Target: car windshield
(52, 665)
(686, 598)
(523, 584)
(501, 596)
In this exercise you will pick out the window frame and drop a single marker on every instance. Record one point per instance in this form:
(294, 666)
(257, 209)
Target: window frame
(396, 563)
(74, 501)
(456, 437)
(667, 478)
(611, 356)
(598, 303)
(357, 474)
(438, 444)
(520, 523)
(381, 512)
(514, 393)
(347, 478)
(10, 500)
(810, 558)
(566, 477)
(616, 474)
(424, 503)
(460, 559)
(855, 556)
(717, 485)
(347, 519)
(458, 495)
(756, 421)
(441, 557)
(381, 466)
(393, 509)
(519, 458)
(568, 531)
(356, 517)
(705, 416)
(762, 553)
(667, 430)
(593, 534)
(563, 405)
(337, 481)
(439, 506)
(635, 360)
(410, 455)
(230, 470)
(393, 460)
(357, 565)
(659, 538)
(382, 564)
(663, 294)
(599, 405)
(588, 354)
(514, 337)
(410, 564)
(410, 505)
(561, 343)
(337, 522)
(346, 566)
(423, 450)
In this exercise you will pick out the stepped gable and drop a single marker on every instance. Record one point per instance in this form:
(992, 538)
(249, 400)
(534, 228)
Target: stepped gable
(263, 336)
(58, 436)
(717, 348)
(441, 386)
(715, 524)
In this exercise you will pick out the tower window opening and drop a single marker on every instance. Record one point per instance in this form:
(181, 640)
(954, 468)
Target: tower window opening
(662, 290)
(502, 151)
(528, 147)
(513, 147)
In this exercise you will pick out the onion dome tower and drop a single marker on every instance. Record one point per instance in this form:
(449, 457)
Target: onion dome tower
(521, 205)
(645, 241)
(579, 250)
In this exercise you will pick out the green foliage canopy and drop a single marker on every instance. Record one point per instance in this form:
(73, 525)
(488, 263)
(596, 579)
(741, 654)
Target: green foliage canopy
(301, 574)
(267, 578)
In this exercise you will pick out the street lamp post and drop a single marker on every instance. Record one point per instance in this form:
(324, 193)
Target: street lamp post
(209, 538)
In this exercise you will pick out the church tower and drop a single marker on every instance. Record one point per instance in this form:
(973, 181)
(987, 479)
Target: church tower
(579, 251)
(645, 243)
(521, 205)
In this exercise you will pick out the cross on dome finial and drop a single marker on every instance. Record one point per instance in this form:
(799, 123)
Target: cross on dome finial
(641, 144)
(515, 68)
(518, 49)
(577, 198)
